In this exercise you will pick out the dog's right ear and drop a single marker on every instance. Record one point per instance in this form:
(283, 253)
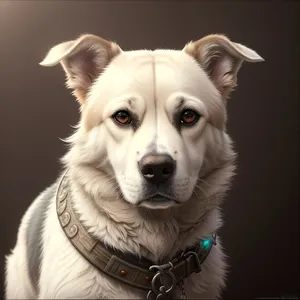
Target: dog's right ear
(83, 60)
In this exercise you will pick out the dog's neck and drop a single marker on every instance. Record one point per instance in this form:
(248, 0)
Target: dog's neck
(152, 234)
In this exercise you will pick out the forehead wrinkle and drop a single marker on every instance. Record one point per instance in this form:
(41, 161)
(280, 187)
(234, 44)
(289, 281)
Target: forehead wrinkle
(154, 142)
(159, 120)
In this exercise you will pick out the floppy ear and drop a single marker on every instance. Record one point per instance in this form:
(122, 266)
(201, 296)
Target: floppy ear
(83, 60)
(221, 59)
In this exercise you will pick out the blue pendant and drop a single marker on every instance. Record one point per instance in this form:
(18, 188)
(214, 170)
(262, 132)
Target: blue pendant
(206, 244)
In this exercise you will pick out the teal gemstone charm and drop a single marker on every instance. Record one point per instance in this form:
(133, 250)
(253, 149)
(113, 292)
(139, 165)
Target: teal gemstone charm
(206, 244)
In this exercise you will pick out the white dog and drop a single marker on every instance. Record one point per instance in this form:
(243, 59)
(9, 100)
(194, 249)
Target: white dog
(147, 169)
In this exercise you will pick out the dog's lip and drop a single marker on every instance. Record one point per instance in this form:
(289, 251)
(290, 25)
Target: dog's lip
(159, 196)
(158, 202)
(158, 199)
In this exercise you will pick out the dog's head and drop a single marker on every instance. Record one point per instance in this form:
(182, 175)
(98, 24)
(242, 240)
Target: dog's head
(153, 120)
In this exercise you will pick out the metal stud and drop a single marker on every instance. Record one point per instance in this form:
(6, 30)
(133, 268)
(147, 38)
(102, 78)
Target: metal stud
(62, 207)
(63, 194)
(73, 231)
(64, 184)
(65, 219)
(123, 272)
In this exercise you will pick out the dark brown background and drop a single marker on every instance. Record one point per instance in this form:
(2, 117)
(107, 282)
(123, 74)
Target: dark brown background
(261, 211)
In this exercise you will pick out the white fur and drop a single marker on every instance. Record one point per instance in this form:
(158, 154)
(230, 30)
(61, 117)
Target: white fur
(105, 182)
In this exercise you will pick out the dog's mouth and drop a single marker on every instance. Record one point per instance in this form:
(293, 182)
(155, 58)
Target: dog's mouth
(158, 201)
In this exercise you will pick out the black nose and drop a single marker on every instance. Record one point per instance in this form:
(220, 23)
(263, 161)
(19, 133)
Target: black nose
(157, 168)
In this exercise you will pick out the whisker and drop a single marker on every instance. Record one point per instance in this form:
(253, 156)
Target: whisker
(204, 182)
(202, 190)
(206, 197)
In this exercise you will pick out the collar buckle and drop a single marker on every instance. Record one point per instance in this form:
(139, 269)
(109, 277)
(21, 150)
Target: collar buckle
(163, 282)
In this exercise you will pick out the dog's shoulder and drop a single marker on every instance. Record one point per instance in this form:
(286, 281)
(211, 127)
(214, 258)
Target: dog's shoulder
(34, 230)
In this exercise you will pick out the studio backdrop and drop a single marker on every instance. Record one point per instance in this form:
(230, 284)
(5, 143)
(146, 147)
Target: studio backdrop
(260, 232)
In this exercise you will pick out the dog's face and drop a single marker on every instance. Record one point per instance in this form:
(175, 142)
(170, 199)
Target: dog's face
(151, 108)
(154, 120)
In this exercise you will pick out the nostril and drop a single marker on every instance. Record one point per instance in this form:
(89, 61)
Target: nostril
(148, 172)
(167, 171)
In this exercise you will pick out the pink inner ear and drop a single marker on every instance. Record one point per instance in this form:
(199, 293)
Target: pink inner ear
(83, 68)
(220, 72)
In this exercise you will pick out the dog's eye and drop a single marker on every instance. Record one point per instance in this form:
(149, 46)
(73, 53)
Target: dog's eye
(189, 117)
(122, 117)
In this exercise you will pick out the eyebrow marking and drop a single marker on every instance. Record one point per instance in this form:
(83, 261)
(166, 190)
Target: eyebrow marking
(181, 101)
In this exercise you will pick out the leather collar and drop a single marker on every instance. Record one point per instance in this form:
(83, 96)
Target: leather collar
(158, 279)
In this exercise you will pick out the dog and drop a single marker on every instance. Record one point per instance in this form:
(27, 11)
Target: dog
(142, 181)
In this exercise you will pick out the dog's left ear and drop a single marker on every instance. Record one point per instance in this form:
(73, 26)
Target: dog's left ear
(221, 59)
(83, 60)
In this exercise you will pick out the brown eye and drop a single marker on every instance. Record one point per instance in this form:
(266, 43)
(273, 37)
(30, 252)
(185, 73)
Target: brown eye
(122, 117)
(189, 117)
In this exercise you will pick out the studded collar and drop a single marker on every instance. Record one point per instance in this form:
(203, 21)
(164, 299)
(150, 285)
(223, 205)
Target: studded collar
(141, 273)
